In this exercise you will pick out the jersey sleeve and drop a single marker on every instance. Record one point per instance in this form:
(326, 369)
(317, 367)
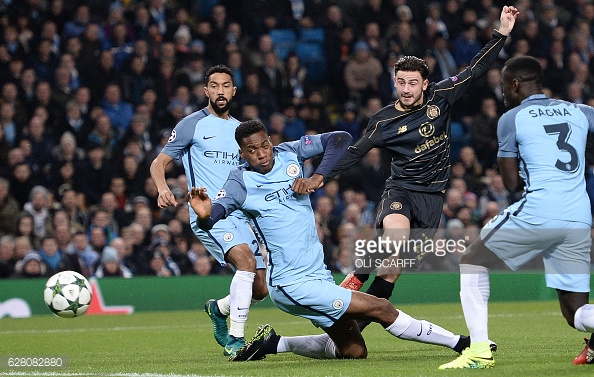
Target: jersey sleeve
(233, 193)
(589, 113)
(306, 147)
(506, 134)
(372, 138)
(181, 136)
(454, 87)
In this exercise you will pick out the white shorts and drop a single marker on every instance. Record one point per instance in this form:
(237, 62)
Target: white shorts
(518, 237)
(321, 301)
(226, 233)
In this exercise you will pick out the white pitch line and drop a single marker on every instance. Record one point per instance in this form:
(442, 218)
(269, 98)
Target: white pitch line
(61, 374)
(96, 329)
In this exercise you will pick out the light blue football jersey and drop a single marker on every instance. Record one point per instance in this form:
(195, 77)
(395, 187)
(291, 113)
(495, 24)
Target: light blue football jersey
(206, 144)
(549, 139)
(284, 220)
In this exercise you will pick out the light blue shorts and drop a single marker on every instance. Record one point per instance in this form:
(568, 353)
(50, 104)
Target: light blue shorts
(517, 237)
(226, 233)
(321, 301)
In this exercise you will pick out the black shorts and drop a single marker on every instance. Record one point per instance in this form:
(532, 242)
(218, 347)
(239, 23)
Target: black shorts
(423, 209)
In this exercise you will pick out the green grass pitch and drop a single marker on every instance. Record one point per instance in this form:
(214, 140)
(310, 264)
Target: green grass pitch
(533, 339)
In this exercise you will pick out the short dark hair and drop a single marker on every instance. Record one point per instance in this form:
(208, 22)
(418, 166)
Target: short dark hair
(523, 68)
(248, 128)
(411, 64)
(219, 68)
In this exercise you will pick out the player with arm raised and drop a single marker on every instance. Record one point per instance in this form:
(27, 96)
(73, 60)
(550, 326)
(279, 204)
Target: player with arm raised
(271, 191)
(416, 131)
(204, 142)
(544, 140)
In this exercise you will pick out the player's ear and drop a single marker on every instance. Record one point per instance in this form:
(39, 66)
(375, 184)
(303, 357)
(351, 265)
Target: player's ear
(234, 91)
(425, 84)
(241, 154)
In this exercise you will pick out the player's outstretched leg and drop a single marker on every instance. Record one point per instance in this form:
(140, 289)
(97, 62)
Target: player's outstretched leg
(218, 315)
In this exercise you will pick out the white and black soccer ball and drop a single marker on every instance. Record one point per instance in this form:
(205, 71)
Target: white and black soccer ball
(67, 294)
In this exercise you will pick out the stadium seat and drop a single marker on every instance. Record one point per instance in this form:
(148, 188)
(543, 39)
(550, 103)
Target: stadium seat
(313, 58)
(283, 36)
(310, 51)
(312, 35)
(284, 41)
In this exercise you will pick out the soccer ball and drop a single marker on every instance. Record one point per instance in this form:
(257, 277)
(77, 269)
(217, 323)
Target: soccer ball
(67, 294)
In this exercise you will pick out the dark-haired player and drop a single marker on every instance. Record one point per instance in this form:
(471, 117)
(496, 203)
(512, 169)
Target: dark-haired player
(205, 143)
(271, 189)
(544, 140)
(416, 131)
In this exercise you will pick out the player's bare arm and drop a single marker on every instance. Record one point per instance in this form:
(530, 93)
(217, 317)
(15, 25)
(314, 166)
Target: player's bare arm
(507, 19)
(308, 185)
(510, 173)
(158, 165)
(200, 202)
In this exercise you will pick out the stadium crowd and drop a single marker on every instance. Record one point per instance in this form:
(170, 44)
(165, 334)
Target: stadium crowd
(90, 91)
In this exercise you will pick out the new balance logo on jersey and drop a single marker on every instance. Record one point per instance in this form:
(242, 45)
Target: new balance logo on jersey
(430, 143)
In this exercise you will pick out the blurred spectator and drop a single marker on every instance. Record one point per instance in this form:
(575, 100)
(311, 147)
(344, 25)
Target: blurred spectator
(162, 263)
(271, 75)
(37, 207)
(50, 254)
(361, 73)
(7, 256)
(80, 256)
(483, 133)
(495, 192)
(32, 266)
(93, 174)
(202, 266)
(9, 208)
(78, 217)
(111, 265)
(253, 93)
(350, 120)
(294, 126)
(466, 45)
(119, 111)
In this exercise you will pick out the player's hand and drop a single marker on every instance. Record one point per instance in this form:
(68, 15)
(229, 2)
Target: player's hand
(166, 199)
(508, 19)
(200, 202)
(307, 185)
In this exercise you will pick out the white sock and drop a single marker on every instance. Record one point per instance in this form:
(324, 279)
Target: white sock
(254, 301)
(409, 328)
(223, 305)
(241, 297)
(314, 346)
(584, 318)
(474, 296)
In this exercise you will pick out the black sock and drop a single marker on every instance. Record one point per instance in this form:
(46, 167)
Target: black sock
(362, 277)
(378, 288)
(272, 345)
(591, 341)
(381, 288)
(462, 344)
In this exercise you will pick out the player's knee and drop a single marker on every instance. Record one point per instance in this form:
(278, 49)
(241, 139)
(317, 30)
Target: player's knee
(354, 351)
(242, 258)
